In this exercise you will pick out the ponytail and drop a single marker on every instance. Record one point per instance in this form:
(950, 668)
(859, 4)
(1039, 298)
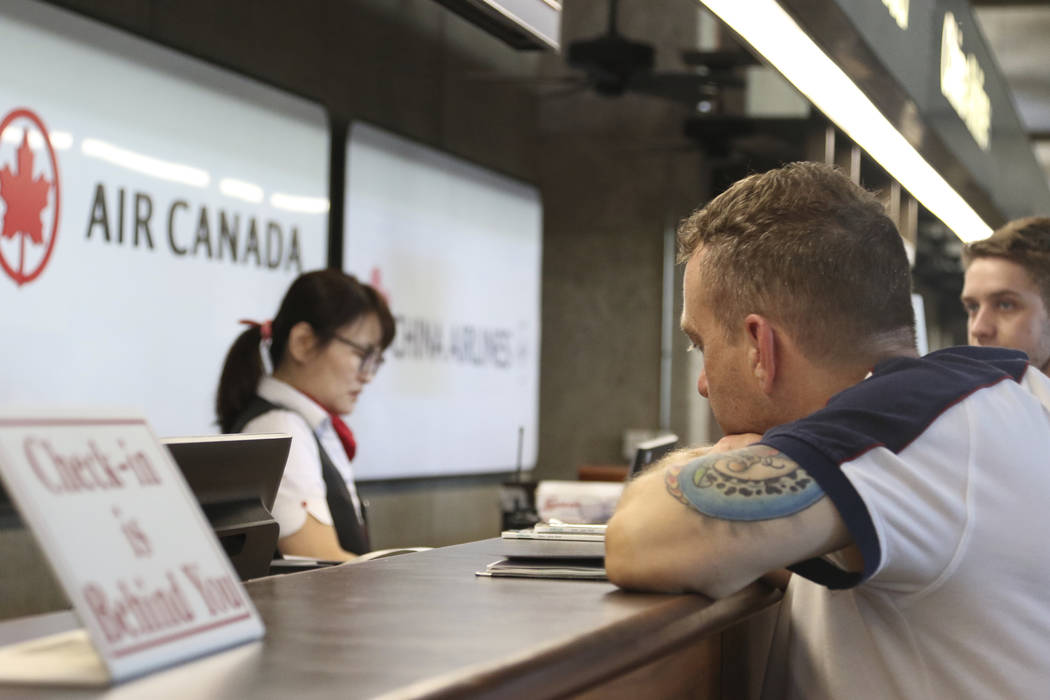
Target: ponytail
(327, 300)
(240, 376)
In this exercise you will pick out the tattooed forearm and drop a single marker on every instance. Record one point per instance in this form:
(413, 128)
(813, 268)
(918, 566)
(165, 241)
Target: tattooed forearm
(755, 483)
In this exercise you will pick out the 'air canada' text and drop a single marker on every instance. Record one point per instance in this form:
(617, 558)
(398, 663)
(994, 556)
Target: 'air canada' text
(193, 231)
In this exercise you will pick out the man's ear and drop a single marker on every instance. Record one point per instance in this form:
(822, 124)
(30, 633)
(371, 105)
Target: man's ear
(762, 350)
(302, 341)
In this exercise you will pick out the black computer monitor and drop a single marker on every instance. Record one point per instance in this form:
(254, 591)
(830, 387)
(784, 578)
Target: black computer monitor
(235, 479)
(9, 517)
(28, 585)
(651, 450)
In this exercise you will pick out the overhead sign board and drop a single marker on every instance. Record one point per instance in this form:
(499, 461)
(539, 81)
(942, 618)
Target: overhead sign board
(147, 202)
(962, 82)
(524, 24)
(457, 250)
(899, 10)
(926, 65)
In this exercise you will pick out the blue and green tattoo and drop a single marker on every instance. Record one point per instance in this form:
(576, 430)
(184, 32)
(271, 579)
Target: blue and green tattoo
(755, 483)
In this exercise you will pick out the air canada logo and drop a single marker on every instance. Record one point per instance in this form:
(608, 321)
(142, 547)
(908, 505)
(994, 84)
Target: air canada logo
(28, 196)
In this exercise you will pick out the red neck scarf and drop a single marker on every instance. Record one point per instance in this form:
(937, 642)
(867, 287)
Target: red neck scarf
(341, 429)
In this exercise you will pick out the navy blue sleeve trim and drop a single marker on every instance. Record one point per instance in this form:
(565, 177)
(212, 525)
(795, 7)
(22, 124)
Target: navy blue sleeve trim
(827, 574)
(827, 472)
(1012, 362)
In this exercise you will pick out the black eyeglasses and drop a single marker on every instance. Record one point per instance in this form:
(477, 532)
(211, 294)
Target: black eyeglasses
(371, 356)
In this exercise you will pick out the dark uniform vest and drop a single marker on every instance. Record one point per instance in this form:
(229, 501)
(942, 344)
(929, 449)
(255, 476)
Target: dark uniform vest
(351, 530)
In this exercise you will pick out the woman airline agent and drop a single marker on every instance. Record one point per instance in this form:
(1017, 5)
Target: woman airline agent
(325, 344)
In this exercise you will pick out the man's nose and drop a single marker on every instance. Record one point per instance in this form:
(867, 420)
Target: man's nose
(982, 327)
(701, 383)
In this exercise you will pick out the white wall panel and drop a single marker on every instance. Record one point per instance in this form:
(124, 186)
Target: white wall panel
(140, 313)
(457, 249)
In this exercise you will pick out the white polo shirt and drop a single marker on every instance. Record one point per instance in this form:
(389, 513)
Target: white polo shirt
(940, 468)
(302, 488)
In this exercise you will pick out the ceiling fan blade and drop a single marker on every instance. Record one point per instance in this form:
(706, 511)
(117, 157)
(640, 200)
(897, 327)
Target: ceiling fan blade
(522, 79)
(675, 148)
(568, 91)
(724, 60)
(683, 87)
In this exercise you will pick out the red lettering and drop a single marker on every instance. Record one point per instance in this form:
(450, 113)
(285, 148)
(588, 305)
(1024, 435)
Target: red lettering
(86, 472)
(28, 445)
(136, 610)
(219, 594)
(103, 462)
(112, 624)
(147, 476)
(73, 469)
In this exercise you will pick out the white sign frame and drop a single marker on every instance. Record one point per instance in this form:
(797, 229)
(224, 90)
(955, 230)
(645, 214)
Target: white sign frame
(126, 539)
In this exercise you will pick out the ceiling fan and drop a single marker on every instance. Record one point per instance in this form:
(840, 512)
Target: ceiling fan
(613, 65)
(776, 140)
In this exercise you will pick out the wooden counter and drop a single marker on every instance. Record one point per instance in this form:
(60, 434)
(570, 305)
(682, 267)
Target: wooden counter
(423, 626)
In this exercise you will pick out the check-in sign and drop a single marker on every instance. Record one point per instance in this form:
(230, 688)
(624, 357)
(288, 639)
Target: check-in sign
(126, 539)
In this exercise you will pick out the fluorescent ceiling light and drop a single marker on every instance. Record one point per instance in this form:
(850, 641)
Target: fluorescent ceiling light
(241, 190)
(60, 140)
(147, 165)
(296, 203)
(1042, 154)
(14, 134)
(776, 36)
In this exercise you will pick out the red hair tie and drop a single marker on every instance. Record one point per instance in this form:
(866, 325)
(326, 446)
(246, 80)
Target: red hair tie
(265, 328)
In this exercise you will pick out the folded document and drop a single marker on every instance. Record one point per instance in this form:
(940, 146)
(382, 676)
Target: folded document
(555, 541)
(586, 569)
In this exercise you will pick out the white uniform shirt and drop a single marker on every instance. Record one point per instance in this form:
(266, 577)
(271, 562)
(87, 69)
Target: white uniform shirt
(302, 488)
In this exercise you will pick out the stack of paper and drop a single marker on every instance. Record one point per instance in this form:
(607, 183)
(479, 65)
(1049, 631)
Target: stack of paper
(585, 569)
(552, 550)
(556, 541)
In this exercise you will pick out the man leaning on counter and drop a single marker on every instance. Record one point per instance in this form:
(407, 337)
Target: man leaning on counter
(903, 492)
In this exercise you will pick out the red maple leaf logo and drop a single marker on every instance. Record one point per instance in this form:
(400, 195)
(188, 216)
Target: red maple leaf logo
(375, 279)
(24, 196)
(26, 203)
